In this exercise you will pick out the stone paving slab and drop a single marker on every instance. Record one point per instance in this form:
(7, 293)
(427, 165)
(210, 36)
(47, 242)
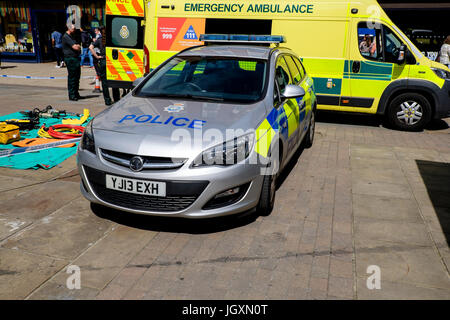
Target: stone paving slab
(22, 272)
(363, 195)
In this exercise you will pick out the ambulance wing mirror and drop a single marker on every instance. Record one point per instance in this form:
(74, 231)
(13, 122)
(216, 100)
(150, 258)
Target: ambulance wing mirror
(402, 52)
(291, 92)
(137, 82)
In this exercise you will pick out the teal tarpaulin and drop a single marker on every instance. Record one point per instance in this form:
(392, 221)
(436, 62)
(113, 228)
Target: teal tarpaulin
(47, 158)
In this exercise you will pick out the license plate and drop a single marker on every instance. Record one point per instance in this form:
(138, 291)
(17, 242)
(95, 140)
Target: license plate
(150, 188)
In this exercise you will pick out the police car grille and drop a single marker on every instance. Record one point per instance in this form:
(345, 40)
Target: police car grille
(180, 195)
(150, 163)
(141, 202)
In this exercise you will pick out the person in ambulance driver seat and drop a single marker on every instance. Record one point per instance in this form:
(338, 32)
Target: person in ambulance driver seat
(205, 134)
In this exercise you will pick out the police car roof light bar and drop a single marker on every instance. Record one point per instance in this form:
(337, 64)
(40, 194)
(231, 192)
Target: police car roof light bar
(242, 38)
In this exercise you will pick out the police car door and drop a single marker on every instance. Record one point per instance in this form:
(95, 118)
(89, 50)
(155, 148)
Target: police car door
(124, 42)
(288, 110)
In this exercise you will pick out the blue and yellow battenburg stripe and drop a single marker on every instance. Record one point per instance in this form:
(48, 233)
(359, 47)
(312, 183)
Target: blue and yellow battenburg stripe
(270, 127)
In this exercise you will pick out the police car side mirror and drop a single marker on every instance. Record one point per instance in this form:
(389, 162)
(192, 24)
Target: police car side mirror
(137, 82)
(291, 92)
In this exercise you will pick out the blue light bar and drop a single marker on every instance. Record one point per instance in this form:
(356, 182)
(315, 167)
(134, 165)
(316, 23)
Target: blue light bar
(242, 38)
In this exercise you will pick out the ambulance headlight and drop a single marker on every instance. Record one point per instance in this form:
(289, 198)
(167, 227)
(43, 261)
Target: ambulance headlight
(441, 73)
(87, 141)
(228, 153)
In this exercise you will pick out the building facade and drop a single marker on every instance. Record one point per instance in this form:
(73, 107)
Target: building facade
(26, 25)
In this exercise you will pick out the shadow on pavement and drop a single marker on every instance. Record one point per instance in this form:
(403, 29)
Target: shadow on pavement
(8, 67)
(437, 125)
(350, 118)
(171, 224)
(289, 166)
(90, 96)
(436, 177)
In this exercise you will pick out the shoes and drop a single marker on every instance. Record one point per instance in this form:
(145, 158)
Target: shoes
(73, 99)
(58, 67)
(80, 97)
(108, 103)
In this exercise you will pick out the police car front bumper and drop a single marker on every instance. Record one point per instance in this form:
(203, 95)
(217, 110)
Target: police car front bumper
(190, 191)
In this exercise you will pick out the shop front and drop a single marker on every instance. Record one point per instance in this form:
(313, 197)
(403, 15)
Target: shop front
(26, 25)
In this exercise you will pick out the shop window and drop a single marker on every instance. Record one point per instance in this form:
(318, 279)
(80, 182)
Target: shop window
(15, 31)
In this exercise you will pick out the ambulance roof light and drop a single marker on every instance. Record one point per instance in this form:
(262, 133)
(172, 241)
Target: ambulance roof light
(242, 38)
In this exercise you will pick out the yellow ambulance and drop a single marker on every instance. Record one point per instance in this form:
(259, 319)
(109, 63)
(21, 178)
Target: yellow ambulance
(359, 60)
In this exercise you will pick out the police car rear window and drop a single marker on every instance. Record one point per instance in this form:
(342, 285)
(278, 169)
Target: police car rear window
(209, 78)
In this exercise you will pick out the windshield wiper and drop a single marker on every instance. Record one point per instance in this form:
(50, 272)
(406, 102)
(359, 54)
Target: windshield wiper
(188, 96)
(206, 98)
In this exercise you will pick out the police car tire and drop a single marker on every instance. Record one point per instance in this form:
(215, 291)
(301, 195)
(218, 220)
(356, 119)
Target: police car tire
(266, 199)
(309, 140)
(265, 205)
(395, 107)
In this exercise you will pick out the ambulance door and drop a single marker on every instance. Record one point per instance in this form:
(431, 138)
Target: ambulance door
(372, 66)
(124, 42)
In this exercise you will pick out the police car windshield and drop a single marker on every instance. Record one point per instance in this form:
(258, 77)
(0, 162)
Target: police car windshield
(208, 78)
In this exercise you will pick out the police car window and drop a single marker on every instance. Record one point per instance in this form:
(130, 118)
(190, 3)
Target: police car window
(208, 78)
(295, 73)
(369, 41)
(124, 32)
(282, 74)
(299, 66)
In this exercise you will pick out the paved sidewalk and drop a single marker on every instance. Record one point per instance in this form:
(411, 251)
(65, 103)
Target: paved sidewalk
(363, 195)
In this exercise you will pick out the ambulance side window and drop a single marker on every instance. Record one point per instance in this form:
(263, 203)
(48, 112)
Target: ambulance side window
(392, 45)
(369, 41)
(124, 32)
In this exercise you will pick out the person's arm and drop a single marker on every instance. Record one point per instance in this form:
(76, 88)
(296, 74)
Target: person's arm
(94, 54)
(76, 47)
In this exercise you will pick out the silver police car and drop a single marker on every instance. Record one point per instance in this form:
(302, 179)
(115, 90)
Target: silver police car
(205, 134)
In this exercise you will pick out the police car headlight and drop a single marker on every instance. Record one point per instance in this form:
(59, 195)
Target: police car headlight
(87, 141)
(443, 74)
(228, 153)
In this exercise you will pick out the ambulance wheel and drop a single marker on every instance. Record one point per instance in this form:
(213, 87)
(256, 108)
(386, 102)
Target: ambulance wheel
(269, 187)
(309, 139)
(409, 112)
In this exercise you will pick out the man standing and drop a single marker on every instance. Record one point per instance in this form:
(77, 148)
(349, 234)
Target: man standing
(57, 48)
(86, 41)
(98, 51)
(71, 51)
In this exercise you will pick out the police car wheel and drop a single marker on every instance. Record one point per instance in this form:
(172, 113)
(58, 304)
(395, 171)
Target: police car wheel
(410, 112)
(309, 138)
(269, 187)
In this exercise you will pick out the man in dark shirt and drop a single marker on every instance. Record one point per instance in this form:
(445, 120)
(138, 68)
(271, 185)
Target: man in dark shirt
(98, 50)
(71, 50)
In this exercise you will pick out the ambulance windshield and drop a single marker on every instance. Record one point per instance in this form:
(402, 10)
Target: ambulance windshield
(208, 78)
